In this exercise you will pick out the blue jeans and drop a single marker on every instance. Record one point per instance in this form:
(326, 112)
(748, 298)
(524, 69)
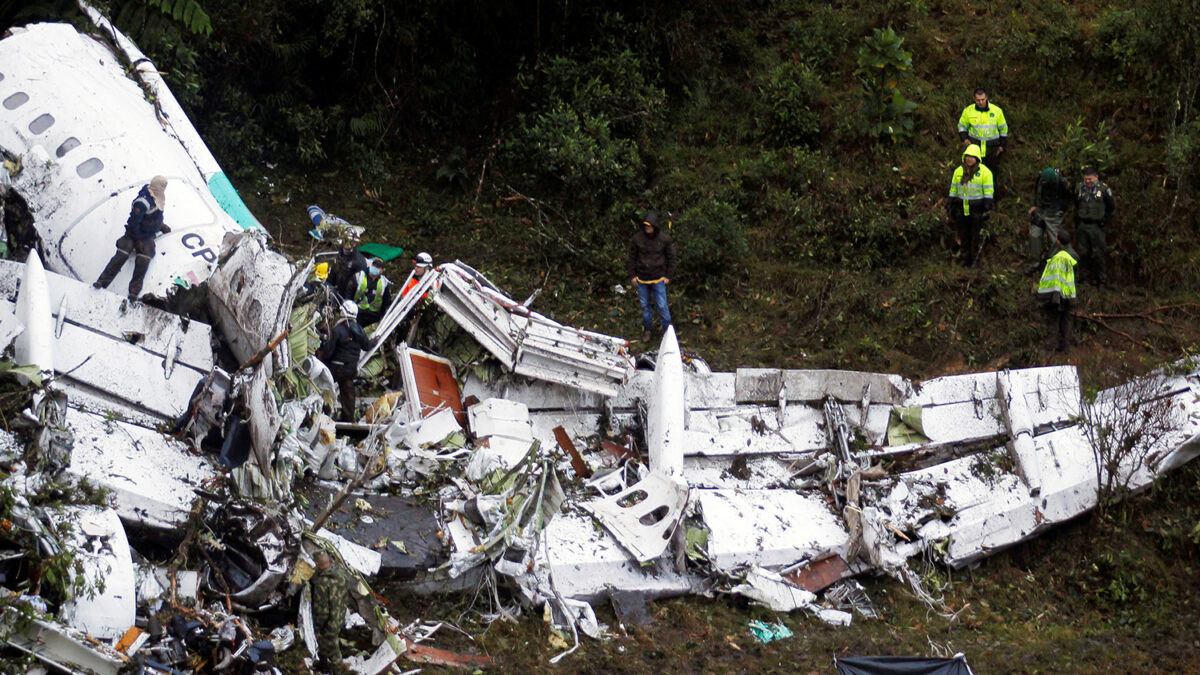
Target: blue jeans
(659, 293)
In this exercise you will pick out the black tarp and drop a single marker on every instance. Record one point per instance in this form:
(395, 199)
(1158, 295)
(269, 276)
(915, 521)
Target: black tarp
(902, 665)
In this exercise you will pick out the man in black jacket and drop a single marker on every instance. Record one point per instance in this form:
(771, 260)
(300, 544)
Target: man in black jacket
(651, 266)
(144, 224)
(340, 352)
(1051, 194)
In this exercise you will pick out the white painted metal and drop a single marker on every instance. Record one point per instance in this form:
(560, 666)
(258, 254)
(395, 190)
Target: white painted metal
(643, 516)
(98, 540)
(65, 649)
(104, 114)
(35, 345)
(151, 476)
(768, 527)
(665, 438)
(251, 294)
(586, 561)
(1020, 428)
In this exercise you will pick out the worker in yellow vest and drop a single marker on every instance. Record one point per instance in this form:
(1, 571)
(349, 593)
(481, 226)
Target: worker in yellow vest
(983, 124)
(372, 293)
(972, 196)
(1056, 292)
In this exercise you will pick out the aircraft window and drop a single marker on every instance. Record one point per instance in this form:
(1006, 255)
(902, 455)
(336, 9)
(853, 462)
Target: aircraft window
(42, 123)
(67, 146)
(89, 168)
(16, 100)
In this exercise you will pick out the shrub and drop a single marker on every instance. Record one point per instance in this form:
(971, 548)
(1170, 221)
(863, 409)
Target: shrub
(710, 240)
(790, 93)
(885, 111)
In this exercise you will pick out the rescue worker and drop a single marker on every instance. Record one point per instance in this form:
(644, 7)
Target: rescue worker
(983, 124)
(971, 198)
(144, 224)
(1051, 194)
(340, 353)
(330, 598)
(421, 264)
(348, 262)
(651, 266)
(1094, 204)
(372, 292)
(1055, 293)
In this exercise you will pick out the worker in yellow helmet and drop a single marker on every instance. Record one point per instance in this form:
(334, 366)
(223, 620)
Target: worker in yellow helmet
(972, 196)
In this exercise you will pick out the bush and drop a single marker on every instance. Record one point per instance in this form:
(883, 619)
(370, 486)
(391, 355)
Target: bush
(710, 240)
(578, 149)
(790, 93)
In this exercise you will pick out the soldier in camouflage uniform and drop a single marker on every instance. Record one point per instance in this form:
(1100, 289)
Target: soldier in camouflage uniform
(330, 598)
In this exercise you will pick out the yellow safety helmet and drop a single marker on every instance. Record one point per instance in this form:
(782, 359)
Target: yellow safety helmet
(321, 271)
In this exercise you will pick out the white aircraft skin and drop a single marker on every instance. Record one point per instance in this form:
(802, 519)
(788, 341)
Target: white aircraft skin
(89, 140)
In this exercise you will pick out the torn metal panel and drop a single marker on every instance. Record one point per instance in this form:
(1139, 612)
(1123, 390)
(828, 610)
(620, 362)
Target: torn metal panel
(536, 395)
(151, 476)
(820, 572)
(264, 417)
(643, 516)
(665, 439)
(585, 561)
(251, 294)
(82, 173)
(98, 540)
(526, 342)
(500, 417)
(761, 385)
(68, 650)
(429, 383)
(769, 588)
(768, 528)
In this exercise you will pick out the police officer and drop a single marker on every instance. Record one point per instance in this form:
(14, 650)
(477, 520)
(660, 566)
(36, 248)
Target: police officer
(971, 198)
(983, 124)
(144, 224)
(1051, 194)
(1094, 204)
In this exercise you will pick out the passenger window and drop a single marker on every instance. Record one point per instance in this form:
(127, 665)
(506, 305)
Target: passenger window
(89, 168)
(42, 123)
(16, 100)
(67, 146)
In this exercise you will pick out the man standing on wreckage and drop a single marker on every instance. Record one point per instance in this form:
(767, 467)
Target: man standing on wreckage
(330, 599)
(144, 224)
(340, 352)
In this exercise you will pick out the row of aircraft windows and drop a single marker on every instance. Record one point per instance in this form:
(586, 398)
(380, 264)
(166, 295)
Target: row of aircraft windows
(86, 169)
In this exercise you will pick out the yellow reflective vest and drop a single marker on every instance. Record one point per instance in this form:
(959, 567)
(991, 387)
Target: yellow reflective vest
(1058, 279)
(370, 302)
(984, 127)
(978, 192)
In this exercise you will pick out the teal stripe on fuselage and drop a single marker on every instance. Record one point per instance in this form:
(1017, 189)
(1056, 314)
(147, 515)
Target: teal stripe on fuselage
(229, 200)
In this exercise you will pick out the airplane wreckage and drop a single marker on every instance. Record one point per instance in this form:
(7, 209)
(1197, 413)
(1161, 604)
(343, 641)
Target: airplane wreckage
(543, 463)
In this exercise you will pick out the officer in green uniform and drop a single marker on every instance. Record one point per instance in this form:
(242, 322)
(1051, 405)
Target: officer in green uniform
(330, 599)
(1094, 204)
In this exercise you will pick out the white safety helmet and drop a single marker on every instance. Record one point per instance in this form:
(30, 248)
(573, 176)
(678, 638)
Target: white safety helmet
(423, 259)
(350, 309)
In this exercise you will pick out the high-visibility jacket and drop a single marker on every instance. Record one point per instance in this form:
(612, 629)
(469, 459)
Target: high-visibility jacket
(977, 194)
(370, 297)
(986, 127)
(1058, 279)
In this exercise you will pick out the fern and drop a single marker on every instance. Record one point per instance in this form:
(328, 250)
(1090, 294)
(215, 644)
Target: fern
(189, 13)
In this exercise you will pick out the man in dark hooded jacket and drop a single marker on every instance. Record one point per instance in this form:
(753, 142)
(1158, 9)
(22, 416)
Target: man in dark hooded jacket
(651, 266)
(340, 353)
(144, 224)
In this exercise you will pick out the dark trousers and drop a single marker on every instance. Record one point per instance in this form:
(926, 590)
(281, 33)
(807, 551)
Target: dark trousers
(1093, 252)
(969, 226)
(125, 246)
(346, 392)
(1058, 326)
